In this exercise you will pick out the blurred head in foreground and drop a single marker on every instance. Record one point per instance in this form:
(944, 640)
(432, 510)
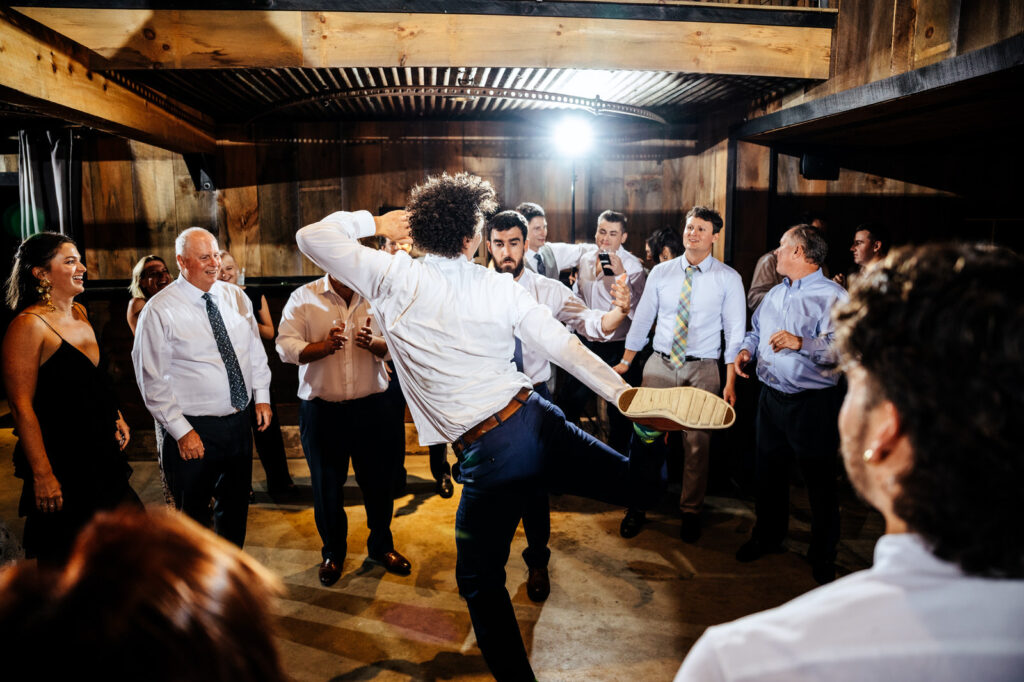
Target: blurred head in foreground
(143, 596)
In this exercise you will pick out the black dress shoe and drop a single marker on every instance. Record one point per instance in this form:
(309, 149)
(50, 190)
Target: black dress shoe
(689, 531)
(538, 587)
(632, 523)
(444, 487)
(329, 572)
(393, 562)
(753, 549)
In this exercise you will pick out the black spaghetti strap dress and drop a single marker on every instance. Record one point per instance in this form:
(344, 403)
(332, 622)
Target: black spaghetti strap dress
(76, 409)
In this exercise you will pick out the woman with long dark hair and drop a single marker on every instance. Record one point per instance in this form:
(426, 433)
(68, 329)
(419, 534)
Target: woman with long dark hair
(70, 432)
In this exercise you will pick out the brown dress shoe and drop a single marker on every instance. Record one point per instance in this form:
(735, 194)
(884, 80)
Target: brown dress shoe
(329, 572)
(538, 587)
(393, 562)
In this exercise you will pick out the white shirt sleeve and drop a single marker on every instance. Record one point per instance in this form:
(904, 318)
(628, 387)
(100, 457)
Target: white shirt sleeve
(568, 255)
(331, 244)
(701, 664)
(257, 354)
(151, 355)
(292, 332)
(539, 330)
(734, 316)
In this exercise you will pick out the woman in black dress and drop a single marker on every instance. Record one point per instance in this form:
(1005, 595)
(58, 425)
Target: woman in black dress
(70, 433)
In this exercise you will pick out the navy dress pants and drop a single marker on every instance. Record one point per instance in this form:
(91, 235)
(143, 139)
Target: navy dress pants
(803, 424)
(224, 473)
(535, 449)
(332, 434)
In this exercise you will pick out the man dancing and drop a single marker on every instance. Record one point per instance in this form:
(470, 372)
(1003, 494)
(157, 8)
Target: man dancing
(450, 326)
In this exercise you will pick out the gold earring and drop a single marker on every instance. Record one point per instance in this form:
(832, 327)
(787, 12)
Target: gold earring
(44, 289)
(869, 454)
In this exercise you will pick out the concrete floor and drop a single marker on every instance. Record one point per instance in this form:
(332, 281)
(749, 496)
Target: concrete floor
(619, 609)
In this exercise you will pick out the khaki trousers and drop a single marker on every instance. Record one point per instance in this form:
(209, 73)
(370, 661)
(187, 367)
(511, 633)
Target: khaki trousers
(661, 373)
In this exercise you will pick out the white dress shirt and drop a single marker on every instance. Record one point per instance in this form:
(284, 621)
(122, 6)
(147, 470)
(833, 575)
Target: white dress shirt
(568, 309)
(350, 372)
(596, 289)
(716, 305)
(566, 256)
(911, 617)
(177, 365)
(450, 327)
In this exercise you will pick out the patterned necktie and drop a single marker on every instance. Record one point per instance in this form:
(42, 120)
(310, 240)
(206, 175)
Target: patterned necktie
(517, 355)
(541, 270)
(239, 395)
(678, 354)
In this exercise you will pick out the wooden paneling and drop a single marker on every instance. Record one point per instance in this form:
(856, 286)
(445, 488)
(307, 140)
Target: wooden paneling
(51, 76)
(266, 193)
(213, 39)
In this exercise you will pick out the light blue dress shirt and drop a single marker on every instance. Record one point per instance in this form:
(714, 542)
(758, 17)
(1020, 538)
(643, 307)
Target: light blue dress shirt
(717, 304)
(802, 308)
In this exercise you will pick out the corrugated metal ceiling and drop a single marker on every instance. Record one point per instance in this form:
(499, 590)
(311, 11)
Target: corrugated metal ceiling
(237, 96)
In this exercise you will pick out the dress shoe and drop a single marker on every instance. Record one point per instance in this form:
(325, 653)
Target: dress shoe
(672, 409)
(393, 562)
(444, 487)
(329, 572)
(632, 523)
(689, 531)
(753, 549)
(538, 587)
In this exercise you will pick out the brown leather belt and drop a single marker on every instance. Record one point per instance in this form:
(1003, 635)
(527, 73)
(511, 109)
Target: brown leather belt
(495, 420)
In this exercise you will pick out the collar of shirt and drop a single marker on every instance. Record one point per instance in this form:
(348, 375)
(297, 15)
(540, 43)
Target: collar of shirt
(805, 281)
(325, 289)
(704, 266)
(194, 293)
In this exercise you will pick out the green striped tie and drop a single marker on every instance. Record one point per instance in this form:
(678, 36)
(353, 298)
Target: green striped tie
(678, 354)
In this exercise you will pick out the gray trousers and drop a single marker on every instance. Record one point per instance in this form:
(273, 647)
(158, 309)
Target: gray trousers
(660, 373)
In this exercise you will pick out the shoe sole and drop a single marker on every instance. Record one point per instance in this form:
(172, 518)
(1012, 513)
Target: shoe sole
(682, 408)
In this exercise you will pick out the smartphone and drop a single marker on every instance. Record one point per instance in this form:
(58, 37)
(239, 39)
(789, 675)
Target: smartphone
(606, 263)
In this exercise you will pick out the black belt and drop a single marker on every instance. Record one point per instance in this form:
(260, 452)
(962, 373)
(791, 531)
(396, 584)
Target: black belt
(688, 358)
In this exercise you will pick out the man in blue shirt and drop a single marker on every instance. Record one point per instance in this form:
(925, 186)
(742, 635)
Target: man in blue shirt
(693, 299)
(792, 339)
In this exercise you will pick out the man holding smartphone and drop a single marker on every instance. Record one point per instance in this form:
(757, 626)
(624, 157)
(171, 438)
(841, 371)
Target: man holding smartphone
(598, 270)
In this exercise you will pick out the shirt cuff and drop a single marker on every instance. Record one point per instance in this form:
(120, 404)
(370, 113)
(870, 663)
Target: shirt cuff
(178, 428)
(261, 395)
(812, 344)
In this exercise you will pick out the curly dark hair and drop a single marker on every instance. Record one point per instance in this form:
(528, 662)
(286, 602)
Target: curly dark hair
(939, 330)
(447, 209)
(35, 252)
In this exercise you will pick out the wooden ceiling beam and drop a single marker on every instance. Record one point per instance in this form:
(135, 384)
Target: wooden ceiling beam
(204, 39)
(50, 76)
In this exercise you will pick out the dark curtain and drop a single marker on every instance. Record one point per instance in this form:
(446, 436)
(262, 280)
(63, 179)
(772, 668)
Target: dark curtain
(49, 182)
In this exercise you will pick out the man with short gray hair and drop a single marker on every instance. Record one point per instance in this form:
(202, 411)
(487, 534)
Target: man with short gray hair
(792, 338)
(199, 363)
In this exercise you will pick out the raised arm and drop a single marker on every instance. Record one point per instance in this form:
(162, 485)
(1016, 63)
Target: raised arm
(332, 244)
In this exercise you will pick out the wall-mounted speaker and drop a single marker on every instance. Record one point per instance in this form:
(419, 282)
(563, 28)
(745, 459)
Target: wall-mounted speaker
(817, 167)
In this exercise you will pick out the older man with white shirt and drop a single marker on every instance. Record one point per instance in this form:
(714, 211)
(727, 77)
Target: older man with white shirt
(200, 365)
(328, 331)
(931, 342)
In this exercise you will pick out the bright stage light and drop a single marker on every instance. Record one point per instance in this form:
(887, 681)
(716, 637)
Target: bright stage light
(573, 137)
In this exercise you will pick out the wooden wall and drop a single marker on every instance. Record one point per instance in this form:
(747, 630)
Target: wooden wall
(136, 198)
(877, 39)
